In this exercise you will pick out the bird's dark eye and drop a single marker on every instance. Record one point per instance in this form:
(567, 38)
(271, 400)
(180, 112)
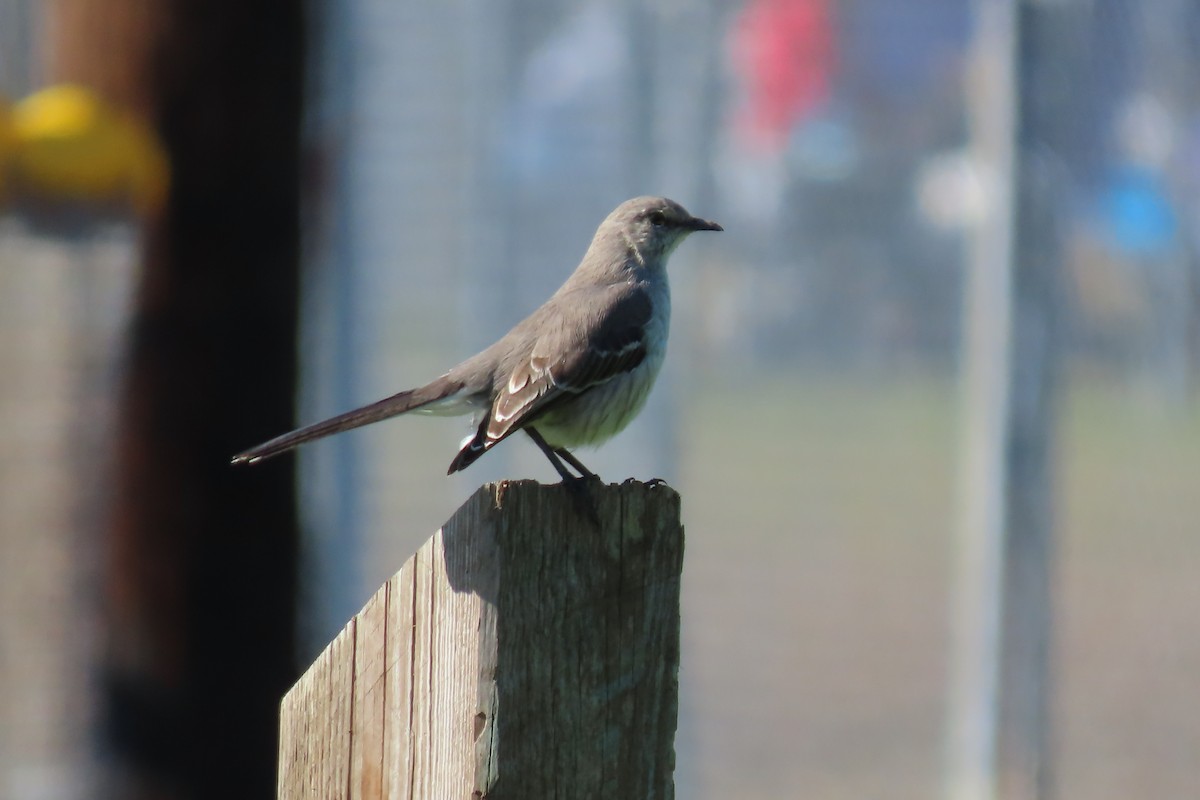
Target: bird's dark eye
(658, 218)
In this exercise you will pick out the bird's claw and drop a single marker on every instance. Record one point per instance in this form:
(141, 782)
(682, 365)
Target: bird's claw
(582, 498)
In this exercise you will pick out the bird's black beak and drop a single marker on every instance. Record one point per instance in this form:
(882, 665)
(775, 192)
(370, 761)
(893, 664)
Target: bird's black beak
(697, 224)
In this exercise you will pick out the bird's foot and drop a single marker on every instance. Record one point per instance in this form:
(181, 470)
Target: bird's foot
(580, 490)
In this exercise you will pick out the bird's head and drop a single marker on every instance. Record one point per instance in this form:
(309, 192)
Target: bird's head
(651, 228)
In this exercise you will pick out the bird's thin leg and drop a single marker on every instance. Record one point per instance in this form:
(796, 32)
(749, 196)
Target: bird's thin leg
(577, 486)
(550, 453)
(565, 455)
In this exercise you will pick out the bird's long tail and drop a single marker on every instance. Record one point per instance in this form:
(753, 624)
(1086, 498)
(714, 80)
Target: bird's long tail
(401, 403)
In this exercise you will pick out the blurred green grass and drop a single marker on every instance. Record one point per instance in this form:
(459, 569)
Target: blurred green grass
(820, 515)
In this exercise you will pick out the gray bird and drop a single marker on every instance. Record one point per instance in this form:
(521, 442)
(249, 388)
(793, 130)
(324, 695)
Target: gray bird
(574, 372)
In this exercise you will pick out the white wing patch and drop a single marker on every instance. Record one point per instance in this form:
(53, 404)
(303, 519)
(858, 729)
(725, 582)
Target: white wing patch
(517, 381)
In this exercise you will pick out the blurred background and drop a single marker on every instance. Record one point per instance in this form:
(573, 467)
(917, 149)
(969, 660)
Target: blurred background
(956, 305)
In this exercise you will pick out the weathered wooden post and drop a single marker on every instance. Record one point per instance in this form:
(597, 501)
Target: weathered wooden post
(523, 652)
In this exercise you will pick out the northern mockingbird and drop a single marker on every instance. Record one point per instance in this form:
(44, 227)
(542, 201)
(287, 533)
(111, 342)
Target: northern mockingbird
(575, 371)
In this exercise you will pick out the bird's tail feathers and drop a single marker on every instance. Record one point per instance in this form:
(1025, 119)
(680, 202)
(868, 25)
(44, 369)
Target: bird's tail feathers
(401, 403)
(472, 449)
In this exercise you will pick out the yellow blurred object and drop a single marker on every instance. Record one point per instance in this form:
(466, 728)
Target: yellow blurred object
(70, 146)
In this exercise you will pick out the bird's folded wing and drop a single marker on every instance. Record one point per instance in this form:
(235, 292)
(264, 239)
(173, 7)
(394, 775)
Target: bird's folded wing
(596, 335)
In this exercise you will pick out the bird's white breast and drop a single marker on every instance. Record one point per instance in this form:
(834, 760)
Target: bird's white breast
(605, 410)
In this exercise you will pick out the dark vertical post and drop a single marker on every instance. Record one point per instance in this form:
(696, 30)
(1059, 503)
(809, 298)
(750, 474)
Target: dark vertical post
(202, 558)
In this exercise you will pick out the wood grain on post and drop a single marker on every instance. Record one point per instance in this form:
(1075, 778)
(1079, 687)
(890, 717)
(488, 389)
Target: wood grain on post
(522, 652)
